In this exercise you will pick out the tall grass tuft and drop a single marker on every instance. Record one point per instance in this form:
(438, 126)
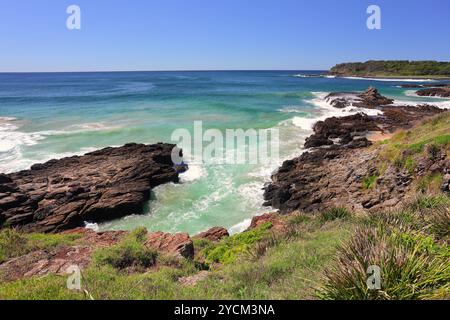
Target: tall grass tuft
(412, 267)
(334, 214)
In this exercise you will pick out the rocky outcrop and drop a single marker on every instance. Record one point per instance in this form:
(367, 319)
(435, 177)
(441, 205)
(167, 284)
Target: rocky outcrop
(333, 172)
(351, 131)
(214, 234)
(371, 98)
(443, 92)
(102, 185)
(179, 244)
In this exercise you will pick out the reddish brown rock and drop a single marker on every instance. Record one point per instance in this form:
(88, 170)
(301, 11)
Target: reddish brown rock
(57, 260)
(275, 219)
(177, 244)
(102, 185)
(213, 234)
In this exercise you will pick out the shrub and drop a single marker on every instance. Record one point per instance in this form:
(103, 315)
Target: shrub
(129, 252)
(439, 222)
(228, 250)
(334, 214)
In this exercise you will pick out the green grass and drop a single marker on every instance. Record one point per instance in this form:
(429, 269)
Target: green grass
(411, 248)
(412, 267)
(430, 201)
(288, 269)
(318, 256)
(228, 250)
(432, 135)
(335, 213)
(369, 182)
(15, 244)
(129, 252)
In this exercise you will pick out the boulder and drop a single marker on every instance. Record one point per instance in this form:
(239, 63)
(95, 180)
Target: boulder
(179, 244)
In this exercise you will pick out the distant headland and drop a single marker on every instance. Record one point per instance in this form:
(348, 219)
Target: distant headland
(393, 68)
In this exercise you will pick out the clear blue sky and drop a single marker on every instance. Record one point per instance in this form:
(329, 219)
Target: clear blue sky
(217, 34)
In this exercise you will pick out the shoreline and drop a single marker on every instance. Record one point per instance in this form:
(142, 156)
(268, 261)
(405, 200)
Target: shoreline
(393, 77)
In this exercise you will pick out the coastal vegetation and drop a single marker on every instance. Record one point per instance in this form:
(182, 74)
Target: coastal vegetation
(313, 258)
(393, 68)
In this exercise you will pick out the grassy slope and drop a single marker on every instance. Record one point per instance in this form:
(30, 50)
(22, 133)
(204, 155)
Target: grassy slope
(290, 269)
(314, 258)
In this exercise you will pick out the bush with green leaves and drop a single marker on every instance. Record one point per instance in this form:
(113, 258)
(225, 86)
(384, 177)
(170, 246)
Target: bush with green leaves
(129, 252)
(229, 249)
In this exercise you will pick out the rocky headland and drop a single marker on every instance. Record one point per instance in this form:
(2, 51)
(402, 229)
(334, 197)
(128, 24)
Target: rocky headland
(341, 164)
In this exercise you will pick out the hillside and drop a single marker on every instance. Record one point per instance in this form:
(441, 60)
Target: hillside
(393, 68)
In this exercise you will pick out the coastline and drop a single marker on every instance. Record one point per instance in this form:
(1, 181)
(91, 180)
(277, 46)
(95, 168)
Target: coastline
(378, 76)
(341, 145)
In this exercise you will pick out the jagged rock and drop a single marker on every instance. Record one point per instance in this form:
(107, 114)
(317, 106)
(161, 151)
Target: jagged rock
(443, 92)
(213, 234)
(371, 98)
(101, 185)
(179, 244)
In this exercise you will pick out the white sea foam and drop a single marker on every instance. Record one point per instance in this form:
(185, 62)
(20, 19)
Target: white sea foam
(91, 226)
(292, 109)
(326, 110)
(194, 172)
(13, 140)
(240, 227)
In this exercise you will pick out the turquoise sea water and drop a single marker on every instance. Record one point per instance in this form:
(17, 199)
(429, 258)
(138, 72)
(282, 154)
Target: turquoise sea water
(45, 116)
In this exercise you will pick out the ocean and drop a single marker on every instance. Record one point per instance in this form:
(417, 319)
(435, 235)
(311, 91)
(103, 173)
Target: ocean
(54, 115)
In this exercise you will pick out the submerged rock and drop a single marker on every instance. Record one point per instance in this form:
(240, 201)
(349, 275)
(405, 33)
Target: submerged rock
(99, 186)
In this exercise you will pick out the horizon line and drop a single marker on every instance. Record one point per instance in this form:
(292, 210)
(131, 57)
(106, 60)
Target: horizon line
(168, 70)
